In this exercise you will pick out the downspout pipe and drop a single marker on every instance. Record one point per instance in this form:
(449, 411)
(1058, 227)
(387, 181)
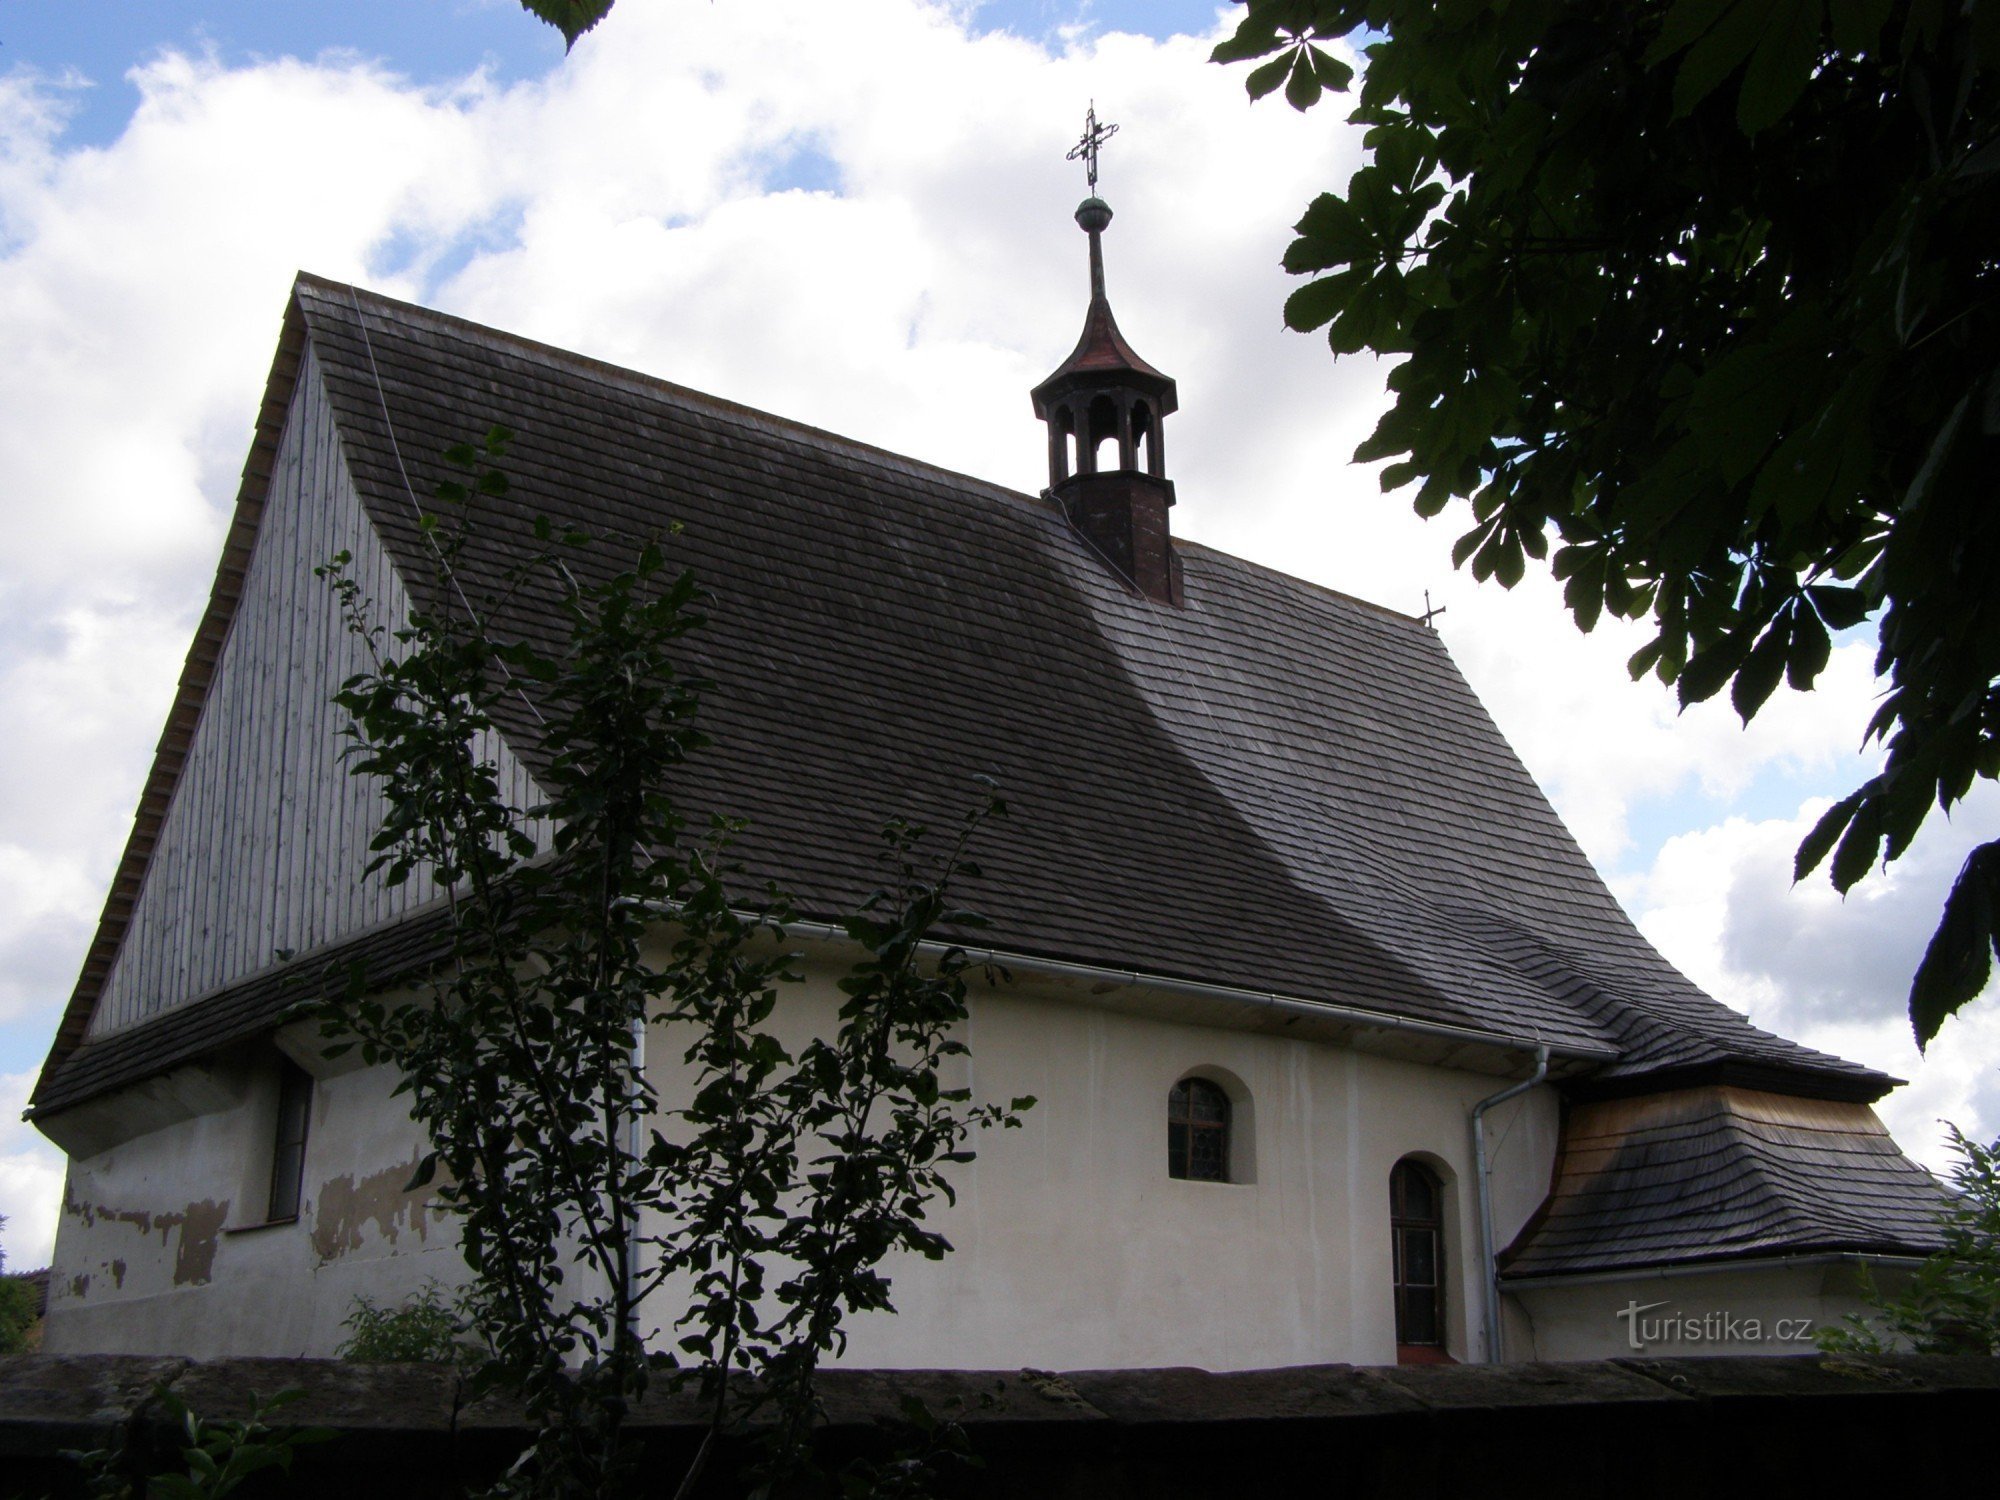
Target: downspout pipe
(1488, 1262)
(635, 1143)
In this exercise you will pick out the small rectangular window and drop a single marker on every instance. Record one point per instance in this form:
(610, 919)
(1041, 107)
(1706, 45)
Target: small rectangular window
(288, 1147)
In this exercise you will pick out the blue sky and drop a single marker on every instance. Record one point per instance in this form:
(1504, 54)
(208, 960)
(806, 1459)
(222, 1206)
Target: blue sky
(426, 40)
(101, 39)
(856, 214)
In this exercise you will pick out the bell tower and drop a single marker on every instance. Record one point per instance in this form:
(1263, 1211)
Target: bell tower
(1104, 407)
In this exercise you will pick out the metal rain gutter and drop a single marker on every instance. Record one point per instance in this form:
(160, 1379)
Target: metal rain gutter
(1291, 1005)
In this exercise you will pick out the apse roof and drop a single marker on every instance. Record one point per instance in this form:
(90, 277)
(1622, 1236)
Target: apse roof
(1724, 1174)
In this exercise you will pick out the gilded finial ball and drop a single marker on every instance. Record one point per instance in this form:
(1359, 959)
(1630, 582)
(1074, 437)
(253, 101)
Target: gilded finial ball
(1092, 215)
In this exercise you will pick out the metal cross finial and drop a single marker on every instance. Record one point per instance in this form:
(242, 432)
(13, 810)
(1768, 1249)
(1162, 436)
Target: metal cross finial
(1094, 136)
(1429, 613)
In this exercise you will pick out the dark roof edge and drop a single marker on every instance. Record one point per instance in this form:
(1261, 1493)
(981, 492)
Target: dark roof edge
(149, 1056)
(1360, 1018)
(1860, 1087)
(298, 979)
(1740, 1260)
(190, 695)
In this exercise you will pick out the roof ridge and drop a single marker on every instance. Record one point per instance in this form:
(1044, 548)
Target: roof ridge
(820, 437)
(627, 377)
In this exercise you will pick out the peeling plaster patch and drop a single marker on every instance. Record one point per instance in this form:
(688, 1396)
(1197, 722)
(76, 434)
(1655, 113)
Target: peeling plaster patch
(343, 1205)
(200, 1232)
(139, 1218)
(200, 1225)
(78, 1208)
(79, 1286)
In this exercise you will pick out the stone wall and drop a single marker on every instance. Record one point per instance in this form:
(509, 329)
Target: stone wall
(1764, 1427)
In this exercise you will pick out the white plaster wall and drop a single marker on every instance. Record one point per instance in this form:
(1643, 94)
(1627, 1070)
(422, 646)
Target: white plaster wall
(1771, 1309)
(1073, 1246)
(1075, 1249)
(160, 1249)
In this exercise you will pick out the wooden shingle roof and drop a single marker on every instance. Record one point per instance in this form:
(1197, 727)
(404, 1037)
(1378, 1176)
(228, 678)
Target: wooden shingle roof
(1276, 787)
(1724, 1174)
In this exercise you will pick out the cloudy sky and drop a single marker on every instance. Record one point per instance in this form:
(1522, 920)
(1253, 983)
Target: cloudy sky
(856, 215)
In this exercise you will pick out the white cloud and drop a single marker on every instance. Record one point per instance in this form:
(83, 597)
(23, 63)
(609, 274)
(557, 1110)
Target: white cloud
(1834, 973)
(616, 206)
(1604, 744)
(31, 1180)
(631, 204)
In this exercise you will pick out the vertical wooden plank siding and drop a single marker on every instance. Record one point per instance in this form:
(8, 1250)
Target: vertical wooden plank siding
(263, 845)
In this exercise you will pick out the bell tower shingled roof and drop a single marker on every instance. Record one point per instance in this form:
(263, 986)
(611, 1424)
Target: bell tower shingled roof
(1105, 393)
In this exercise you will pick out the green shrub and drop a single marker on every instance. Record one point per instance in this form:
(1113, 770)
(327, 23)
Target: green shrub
(215, 1458)
(1951, 1305)
(17, 1314)
(426, 1329)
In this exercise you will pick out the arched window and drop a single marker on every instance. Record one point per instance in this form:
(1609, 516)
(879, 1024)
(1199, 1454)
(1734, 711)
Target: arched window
(1416, 1219)
(1101, 427)
(1198, 1131)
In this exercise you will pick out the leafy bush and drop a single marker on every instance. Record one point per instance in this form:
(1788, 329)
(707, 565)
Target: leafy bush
(426, 1329)
(1952, 1304)
(214, 1460)
(775, 1194)
(17, 1314)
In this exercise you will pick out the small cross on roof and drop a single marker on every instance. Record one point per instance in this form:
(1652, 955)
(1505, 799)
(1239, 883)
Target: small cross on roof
(1094, 136)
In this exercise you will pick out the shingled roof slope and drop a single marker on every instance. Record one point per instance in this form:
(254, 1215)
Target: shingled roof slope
(251, 1006)
(1276, 787)
(1717, 1174)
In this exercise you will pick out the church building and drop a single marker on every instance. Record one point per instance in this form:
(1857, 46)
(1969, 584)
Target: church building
(1343, 1051)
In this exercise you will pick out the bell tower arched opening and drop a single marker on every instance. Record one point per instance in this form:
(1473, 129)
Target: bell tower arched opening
(1104, 407)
